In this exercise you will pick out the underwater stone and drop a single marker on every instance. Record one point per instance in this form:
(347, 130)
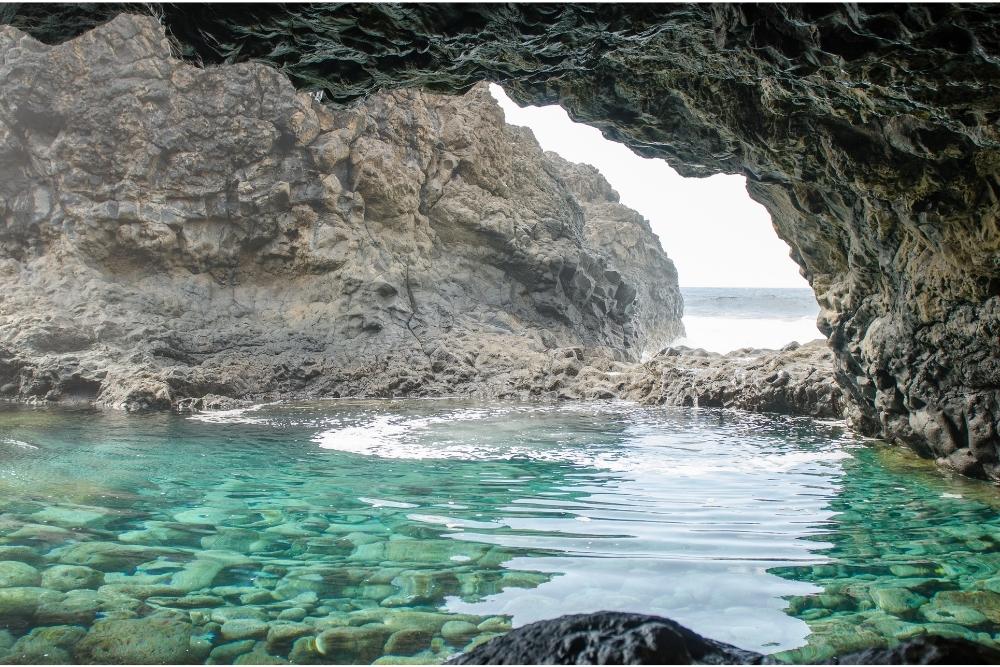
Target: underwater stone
(70, 517)
(458, 630)
(187, 602)
(224, 654)
(71, 577)
(76, 607)
(407, 642)
(280, 635)
(304, 651)
(495, 624)
(20, 553)
(226, 614)
(943, 613)
(14, 573)
(200, 573)
(897, 600)
(293, 614)
(136, 641)
(259, 656)
(243, 628)
(20, 603)
(48, 645)
(109, 556)
(985, 602)
(352, 645)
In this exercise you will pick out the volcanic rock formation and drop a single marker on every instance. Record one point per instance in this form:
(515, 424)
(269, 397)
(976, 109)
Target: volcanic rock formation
(868, 131)
(616, 638)
(171, 232)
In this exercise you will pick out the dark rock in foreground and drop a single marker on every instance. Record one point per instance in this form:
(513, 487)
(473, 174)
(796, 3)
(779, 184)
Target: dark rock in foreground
(605, 638)
(617, 638)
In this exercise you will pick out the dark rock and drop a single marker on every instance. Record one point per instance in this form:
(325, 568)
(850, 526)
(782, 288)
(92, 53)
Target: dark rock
(925, 651)
(605, 638)
(617, 638)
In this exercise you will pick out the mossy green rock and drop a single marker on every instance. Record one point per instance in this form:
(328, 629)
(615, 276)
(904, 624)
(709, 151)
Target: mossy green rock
(14, 573)
(985, 602)
(20, 603)
(352, 645)
(966, 616)
(408, 642)
(48, 645)
(455, 631)
(897, 600)
(136, 641)
(71, 577)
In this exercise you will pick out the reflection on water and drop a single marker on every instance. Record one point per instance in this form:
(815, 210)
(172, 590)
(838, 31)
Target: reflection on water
(408, 531)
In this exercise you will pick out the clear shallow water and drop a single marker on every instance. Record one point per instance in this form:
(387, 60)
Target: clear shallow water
(362, 531)
(722, 319)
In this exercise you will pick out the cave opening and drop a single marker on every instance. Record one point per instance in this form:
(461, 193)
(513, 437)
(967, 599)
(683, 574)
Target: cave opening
(740, 286)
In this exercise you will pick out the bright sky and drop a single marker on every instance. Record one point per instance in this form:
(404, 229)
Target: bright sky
(715, 234)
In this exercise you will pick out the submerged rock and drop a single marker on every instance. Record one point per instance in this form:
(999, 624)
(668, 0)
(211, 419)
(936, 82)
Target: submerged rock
(14, 573)
(71, 577)
(136, 641)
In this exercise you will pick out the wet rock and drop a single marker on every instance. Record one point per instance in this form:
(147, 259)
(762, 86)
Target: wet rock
(224, 654)
(352, 645)
(292, 614)
(71, 577)
(46, 646)
(407, 642)
(259, 656)
(926, 651)
(78, 607)
(897, 600)
(20, 604)
(604, 638)
(495, 624)
(281, 635)
(243, 628)
(136, 641)
(457, 631)
(14, 573)
(108, 556)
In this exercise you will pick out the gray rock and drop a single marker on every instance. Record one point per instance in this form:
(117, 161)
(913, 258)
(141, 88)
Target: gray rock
(413, 245)
(71, 577)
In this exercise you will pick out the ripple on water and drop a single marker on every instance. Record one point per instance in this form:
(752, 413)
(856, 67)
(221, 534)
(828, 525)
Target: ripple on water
(358, 530)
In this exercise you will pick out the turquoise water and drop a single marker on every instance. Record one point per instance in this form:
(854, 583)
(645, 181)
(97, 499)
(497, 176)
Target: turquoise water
(407, 531)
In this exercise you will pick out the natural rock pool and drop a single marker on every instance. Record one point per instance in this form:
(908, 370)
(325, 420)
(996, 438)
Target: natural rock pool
(407, 531)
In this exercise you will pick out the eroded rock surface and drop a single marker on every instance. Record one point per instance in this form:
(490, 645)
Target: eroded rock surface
(868, 131)
(617, 638)
(175, 236)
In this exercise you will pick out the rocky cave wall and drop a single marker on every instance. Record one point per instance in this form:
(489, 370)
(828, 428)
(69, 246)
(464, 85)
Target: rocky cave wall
(170, 232)
(868, 131)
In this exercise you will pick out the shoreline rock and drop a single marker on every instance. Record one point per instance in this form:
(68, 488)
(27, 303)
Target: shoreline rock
(618, 638)
(180, 237)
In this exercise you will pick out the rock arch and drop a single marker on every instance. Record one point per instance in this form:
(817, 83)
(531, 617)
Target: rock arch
(868, 131)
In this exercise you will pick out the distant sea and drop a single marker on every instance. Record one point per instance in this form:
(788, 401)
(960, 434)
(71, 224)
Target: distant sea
(722, 319)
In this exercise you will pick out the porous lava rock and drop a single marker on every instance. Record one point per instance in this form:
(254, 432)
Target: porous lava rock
(605, 638)
(868, 131)
(176, 236)
(618, 638)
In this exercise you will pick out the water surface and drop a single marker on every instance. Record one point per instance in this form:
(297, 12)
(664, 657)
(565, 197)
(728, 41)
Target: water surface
(409, 530)
(723, 319)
